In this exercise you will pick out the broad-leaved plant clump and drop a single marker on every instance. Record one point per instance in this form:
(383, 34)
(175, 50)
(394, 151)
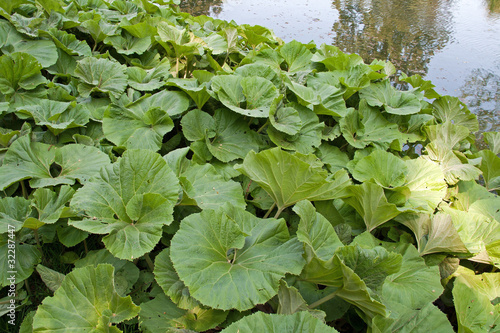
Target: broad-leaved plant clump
(168, 173)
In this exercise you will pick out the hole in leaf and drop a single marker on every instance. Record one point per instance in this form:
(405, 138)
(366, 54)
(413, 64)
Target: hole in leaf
(55, 170)
(231, 255)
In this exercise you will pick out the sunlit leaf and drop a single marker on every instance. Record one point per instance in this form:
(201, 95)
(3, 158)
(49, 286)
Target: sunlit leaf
(91, 291)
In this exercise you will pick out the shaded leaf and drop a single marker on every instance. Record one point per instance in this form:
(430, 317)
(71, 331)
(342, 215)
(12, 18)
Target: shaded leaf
(160, 314)
(301, 321)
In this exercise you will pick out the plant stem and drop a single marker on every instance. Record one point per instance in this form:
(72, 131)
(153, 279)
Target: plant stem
(270, 210)
(85, 246)
(25, 192)
(27, 285)
(248, 189)
(279, 212)
(149, 261)
(262, 127)
(234, 258)
(37, 239)
(323, 300)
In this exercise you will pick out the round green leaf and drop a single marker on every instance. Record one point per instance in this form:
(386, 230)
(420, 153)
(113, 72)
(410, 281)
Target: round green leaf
(86, 300)
(100, 75)
(19, 70)
(257, 92)
(393, 101)
(229, 258)
(130, 201)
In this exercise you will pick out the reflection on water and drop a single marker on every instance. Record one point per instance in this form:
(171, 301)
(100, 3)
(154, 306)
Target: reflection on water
(405, 32)
(454, 43)
(202, 7)
(493, 5)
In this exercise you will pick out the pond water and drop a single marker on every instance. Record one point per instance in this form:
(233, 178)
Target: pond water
(453, 43)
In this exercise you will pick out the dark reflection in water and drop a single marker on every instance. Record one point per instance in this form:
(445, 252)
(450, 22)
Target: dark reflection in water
(493, 5)
(405, 32)
(201, 7)
(454, 43)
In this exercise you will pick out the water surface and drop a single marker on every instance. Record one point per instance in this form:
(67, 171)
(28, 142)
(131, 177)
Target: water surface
(453, 43)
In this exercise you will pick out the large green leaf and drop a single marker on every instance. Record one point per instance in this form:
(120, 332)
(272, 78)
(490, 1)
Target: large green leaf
(309, 136)
(19, 70)
(43, 50)
(100, 75)
(173, 102)
(480, 233)
(49, 204)
(160, 314)
(427, 319)
(493, 141)
(384, 168)
(271, 169)
(349, 286)
(26, 258)
(184, 42)
(50, 277)
(86, 301)
(229, 258)
(370, 202)
(196, 125)
(148, 80)
(334, 59)
(393, 100)
(69, 43)
(128, 44)
(285, 119)
(13, 213)
(442, 237)
(452, 166)
(316, 232)
(290, 300)
(135, 129)
(490, 166)
(451, 109)
(476, 301)
(367, 126)
(126, 273)
(197, 91)
(169, 281)
(204, 185)
(57, 116)
(414, 285)
(301, 321)
(26, 159)
(371, 265)
(330, 92)
(250, 96)
(296, 55)
(129, 203)
(425, 180)
(233, 138)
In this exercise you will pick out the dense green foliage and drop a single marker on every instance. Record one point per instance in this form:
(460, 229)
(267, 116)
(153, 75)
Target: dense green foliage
(168, 173)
